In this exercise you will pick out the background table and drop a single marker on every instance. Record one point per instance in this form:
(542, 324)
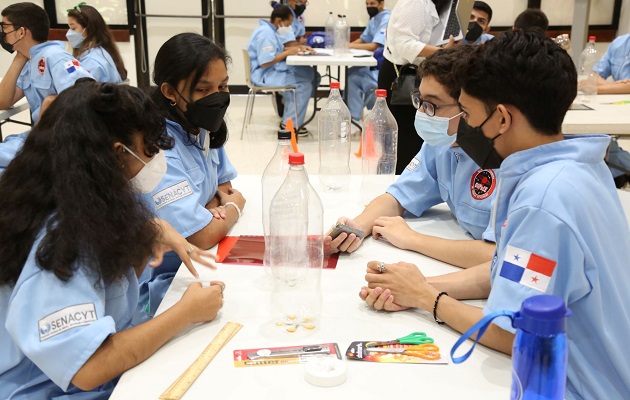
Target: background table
(356, 58)
(612, 119)
(485, 375)
(5, 115)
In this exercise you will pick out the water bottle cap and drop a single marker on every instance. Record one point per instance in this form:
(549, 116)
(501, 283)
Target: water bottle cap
(591, 38)
(335, 85)
(284, 134)
(381, 93)
(296, 159)
(543, 315)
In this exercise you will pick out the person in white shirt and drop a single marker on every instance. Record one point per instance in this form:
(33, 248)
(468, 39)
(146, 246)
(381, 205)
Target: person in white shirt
(408, 35)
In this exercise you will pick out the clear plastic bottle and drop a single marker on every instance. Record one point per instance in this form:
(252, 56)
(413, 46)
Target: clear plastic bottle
(274, 174)
(587, 78)
(329, 38)
(333, 126)
(297, 251)
(342, 36)
(379, 147)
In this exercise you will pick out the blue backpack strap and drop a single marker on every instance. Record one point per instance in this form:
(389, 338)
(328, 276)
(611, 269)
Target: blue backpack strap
(480, 326)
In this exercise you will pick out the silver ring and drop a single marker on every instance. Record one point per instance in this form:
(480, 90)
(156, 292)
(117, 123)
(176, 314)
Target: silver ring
(190, 250)
(222, 302)
(381, 267)
(222, 287)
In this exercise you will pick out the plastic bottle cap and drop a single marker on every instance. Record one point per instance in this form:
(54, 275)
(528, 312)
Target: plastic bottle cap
(296, 159)
(284, 134)
(335, 85)
(542, 315)
(325, 371)
(591, 38)
(381, 93)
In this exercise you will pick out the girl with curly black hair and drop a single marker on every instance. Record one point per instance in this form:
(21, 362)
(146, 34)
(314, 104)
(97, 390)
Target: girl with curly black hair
(74, 234)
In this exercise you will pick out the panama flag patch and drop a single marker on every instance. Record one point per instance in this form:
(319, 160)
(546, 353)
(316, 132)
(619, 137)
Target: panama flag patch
(527, 268)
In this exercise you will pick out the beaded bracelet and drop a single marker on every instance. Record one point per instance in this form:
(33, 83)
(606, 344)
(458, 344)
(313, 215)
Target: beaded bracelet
(437, 299)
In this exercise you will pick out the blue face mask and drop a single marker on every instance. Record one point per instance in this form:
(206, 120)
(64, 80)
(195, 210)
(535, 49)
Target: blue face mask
(434, 130)
(74, 38)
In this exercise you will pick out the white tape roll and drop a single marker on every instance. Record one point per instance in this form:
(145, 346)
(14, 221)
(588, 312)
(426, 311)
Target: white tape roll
(325, 371)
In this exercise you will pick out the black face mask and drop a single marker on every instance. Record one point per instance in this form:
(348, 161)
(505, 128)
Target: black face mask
(372, 11)
(474, 32)
(8, 47)
(208, 112)
(477, 145)
(299, 9)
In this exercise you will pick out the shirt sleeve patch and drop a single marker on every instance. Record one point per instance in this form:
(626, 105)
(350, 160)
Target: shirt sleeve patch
(172, 194)
(66, 319)
(72, 66)
(527, 268)
(413, 164)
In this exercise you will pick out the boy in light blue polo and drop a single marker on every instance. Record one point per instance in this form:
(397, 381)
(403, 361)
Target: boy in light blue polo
(40, 68)
(615, 64)
(362, 81)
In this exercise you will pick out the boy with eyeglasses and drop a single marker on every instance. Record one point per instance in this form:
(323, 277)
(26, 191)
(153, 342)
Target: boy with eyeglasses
(440, 172)
(40, 68)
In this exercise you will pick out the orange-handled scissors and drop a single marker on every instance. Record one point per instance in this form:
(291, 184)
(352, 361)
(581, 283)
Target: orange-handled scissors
(427, 351)
(414, 338)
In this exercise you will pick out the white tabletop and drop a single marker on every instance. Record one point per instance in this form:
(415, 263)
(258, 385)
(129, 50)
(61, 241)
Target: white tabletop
(485, 375)
(21, 105)
(327, 58)
(606, 117)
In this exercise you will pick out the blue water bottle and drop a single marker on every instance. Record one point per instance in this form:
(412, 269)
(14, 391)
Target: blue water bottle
(539, 354)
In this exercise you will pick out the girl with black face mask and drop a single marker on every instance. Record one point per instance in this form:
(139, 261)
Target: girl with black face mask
(195, 196)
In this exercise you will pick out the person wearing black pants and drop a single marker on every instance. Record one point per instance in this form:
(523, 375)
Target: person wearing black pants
(409, 143)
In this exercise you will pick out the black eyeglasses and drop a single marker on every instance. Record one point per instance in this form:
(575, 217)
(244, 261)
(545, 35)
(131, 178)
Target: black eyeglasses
(428, 107)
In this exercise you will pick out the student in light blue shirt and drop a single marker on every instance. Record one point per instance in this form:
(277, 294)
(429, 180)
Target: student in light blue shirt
(268, 64)
(440, 172)
(482, 15)
(73, 236)
(40, 69)
(615, 64)
(558, 222)
(195, 196)
(362, 81)
(94, 45)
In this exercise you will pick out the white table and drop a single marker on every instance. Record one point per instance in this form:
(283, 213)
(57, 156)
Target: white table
(485, 375)
(612, 119)
(5, 115)
(356, 58)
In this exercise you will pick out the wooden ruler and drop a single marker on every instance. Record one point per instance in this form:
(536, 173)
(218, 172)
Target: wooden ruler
(185, 381)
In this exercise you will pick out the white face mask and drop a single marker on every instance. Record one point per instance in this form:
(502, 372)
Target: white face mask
(151, 174)
(283, 30)
(75, 38)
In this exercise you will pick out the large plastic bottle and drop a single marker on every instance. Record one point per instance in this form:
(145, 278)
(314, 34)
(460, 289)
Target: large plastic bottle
(297, 250)
(587, 78)
(539, 352)
(329, 38)
(379, 147)
(333, 126)
(274, 174)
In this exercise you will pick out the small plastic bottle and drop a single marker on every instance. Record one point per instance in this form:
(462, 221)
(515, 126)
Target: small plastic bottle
(274, 174)
(587, 78)
(333, 127)
(297, 251)
(379, 148)
(329, 38)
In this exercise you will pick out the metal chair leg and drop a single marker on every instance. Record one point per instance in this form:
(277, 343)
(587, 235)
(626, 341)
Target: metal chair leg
(251, 111)
(246, 111)
(297, 125)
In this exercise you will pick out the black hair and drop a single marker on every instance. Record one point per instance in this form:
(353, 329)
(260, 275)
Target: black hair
(31, 17)
(524, 69)
(280, 11)
(98, 35)
(532, 18)
(187, 56)
(440, 64)
(483, 6)
(441, 5)
(67, 184)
